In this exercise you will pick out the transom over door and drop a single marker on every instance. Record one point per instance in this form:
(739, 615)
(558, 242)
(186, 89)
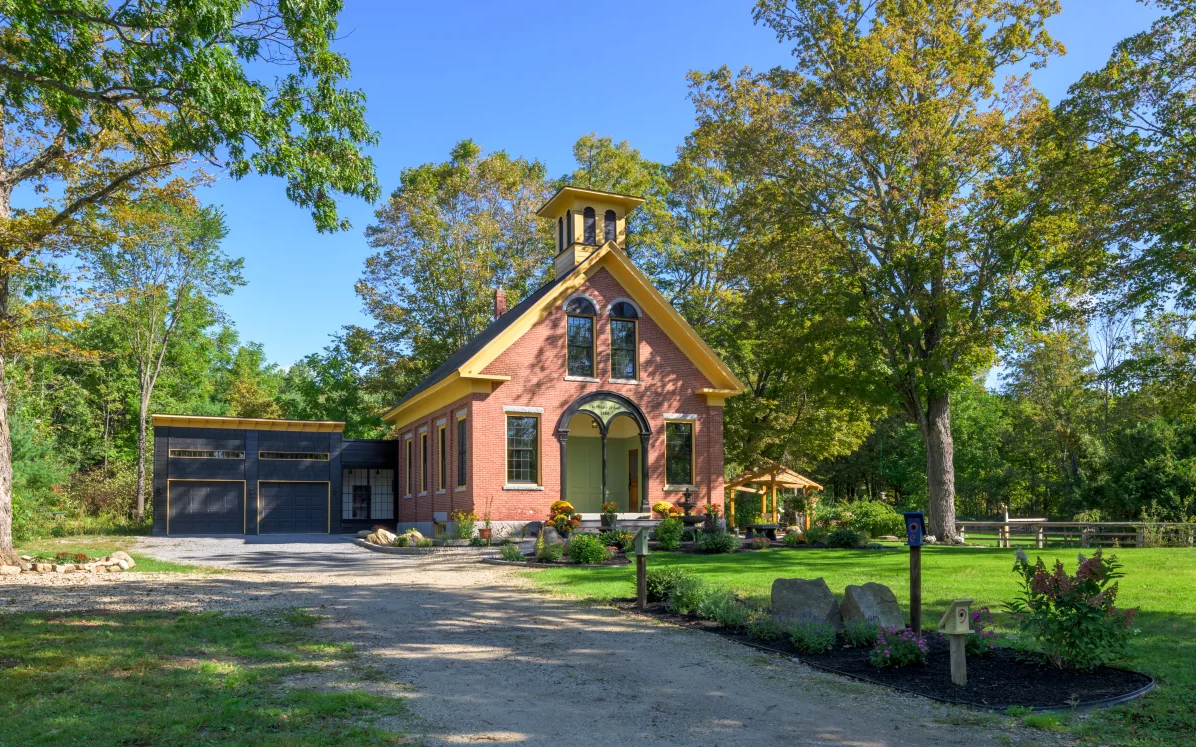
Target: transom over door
(293, 508)
(206, 507)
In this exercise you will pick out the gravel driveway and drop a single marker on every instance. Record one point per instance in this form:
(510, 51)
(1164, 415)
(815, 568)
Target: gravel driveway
(488, 659)
(271, 553)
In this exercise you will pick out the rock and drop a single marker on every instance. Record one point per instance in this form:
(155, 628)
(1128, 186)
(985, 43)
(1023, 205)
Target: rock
(124, 565)
(874, 602)
(363, 534)
(58, 568)
(795, 599)
(381, 537)
(8, 557)
(42, 567)
(887, 538)
(550, 536)
(123, 556)
(9, 570)
(26, 566)
(413, 536)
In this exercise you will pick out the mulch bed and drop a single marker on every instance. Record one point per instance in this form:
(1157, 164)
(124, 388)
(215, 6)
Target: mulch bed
(1002, 679)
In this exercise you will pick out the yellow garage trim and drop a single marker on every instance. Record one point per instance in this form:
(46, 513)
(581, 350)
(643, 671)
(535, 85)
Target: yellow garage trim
(328, 530)
(257, 424)
(244, 499)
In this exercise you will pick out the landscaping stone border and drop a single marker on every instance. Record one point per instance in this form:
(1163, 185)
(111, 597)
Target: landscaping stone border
(114, 563)
(435, 550)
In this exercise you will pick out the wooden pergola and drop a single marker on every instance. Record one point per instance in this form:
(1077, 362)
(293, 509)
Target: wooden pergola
(766, 480)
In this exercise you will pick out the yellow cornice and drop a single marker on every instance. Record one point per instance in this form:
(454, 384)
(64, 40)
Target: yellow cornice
(565, 196)
(443, 393)
(256, 424)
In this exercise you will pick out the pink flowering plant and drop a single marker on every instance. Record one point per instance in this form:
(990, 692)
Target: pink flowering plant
(898, 647)
(1073, 618)
(984, 637)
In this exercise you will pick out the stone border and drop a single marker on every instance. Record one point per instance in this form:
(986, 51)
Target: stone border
(435, 550)
(114, 563)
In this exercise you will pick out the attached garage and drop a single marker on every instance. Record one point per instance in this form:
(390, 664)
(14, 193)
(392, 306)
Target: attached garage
(294, 507)
(206, 507)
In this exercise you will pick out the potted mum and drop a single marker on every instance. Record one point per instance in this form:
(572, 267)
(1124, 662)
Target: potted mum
(562, 517)
(610, 514)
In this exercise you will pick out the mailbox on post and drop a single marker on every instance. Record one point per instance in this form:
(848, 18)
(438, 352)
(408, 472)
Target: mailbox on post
(915, 528)
(641, 542)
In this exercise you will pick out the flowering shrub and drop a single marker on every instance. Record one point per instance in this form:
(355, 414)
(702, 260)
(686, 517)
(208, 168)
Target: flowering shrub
(794, 537)
(713, 510)
(983, 638)
(465, 521)
(619, 538)
(761, 543)
(587, 549)
(668, 533)
(1073, 618)
(860, 633)
(561, 516)
(898, 648)
(812, 635)
(71, 557)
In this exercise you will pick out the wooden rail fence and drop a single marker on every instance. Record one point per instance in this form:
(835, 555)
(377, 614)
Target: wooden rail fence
(1084, 533)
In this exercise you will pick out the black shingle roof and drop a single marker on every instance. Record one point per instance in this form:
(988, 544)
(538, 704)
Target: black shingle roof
(469, 349)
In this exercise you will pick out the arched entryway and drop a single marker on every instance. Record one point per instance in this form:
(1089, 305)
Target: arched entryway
(604, 440)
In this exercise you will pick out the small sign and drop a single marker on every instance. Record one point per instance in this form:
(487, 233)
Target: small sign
(957, 619)
(641, 542)
(915, 528)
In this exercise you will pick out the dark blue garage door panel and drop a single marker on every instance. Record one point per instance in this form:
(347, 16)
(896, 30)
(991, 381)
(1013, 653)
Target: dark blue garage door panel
(207, 507)
(293, 507)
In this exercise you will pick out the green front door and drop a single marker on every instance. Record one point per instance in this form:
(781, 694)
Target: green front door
(585, 474)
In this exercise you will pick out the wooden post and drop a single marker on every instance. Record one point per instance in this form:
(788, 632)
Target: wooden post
(730, 513)
(915, 589)
(774, 503)
(959, 662)
(1041, 536)
(641, 582)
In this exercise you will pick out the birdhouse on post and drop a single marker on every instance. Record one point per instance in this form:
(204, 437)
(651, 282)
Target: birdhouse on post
(956, 625)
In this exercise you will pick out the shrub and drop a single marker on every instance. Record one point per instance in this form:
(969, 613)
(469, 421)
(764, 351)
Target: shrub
(812, 635)
(424, 542)
(844, 537)
(465, 521)
(1073, 619)
(763, 627)
(898, 648)
(873, 517)
(761, 543)
(816, 535)
(477, 542)
(860, 633)
(550, 553)
(401, 540)
(619, 538)
(660, 581)
(718, 542)
(723, 607)
(511, 553)
(688, 595)
(668, 533)
(794, 538)
(587, 549)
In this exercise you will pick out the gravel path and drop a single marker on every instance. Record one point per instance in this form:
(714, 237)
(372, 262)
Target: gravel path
(490, 660)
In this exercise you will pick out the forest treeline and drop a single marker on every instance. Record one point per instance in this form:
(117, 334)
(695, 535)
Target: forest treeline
(940, 289)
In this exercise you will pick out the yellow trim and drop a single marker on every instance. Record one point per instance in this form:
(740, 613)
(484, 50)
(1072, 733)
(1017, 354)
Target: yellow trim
(715, 397)
(469, 377)
(506, 451)
(244, 498)
(258, 424)
(565, 196)
(328, 520)
(693, 453)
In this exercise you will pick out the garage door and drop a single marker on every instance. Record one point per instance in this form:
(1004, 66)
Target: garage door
(293, 507)
(206, 507)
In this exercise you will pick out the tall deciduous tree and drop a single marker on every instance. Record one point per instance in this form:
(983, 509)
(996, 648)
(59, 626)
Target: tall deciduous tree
(164, 264)
(100, 101)
(449, 235)
(893, 137)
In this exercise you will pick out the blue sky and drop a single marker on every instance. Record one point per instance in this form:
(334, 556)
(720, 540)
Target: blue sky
(436, 73)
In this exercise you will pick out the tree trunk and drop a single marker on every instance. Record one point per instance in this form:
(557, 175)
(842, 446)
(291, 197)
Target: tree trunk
(5, 434)
(940, 467)
(141, 427)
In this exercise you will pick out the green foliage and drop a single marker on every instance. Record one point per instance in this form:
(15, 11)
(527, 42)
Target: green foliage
(816, 535)
(1073, 619)
(722, 606)
(688, 594)
(761, 543)
(844, 537)
(898, 648)
(984, 636)
(718, 542)
(464, 523)
(860, 633)
(587, 549)
(762, 626)
(511, 553)
(811, 635)
(550, 553)
(662, 581)
(619, 538)
(424, 542)
(401, 540)
(669, 532)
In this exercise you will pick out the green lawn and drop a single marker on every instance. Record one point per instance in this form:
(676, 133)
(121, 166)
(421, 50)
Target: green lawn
(185, 679)
(101, 545)
(1161, 582)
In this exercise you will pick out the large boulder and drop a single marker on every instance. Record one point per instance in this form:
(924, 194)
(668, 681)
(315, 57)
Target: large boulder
(123, 559)
(874, 602)
(380, 537)
(550, 536)
(9, 570)
(364, 533)
(797, 599)
(8, 557)
(413, 536)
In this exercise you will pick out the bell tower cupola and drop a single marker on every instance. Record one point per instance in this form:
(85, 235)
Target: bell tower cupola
(584, 221)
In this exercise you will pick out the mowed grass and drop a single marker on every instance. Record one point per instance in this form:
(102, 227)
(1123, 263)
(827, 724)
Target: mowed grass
(100, 546)
(182, 679)
(1160, 582)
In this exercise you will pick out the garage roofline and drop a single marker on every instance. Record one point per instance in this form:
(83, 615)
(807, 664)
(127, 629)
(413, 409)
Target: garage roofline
(257, 424)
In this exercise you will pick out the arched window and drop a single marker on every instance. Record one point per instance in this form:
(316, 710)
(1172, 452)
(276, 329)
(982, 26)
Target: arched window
(623, 310)
(624, 341)
(579, 336)
(611, 228)
(560, 234)
(591, 226)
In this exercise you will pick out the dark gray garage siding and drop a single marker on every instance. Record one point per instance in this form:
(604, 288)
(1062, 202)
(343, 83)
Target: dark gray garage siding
(207, 507)
(293, 507)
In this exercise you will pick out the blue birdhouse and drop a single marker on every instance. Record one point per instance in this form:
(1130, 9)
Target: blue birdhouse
(915, 528)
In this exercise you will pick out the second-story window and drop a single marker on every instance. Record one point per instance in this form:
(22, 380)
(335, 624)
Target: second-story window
(590, 226)
(624, 334)
(560, 234)
(610, 226)
(580, 336)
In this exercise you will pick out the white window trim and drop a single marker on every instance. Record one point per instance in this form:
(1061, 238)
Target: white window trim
(679, 416)
(632, 382)
(460, 488)
(423, 429)
(462, 413)
(523, 487)
(524, 410)
(590, 379)
(440, 491)
(586, 296)
(442, 421)
(634, 305)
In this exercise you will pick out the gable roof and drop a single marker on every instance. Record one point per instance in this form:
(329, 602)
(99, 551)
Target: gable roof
(462, 372)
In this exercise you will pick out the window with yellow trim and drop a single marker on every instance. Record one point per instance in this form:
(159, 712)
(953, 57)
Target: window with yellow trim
(679, 453)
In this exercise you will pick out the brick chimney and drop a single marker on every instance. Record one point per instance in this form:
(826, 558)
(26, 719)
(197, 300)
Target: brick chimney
(500, 302)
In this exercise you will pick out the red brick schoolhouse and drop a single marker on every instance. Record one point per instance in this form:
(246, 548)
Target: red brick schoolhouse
(591, 389)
